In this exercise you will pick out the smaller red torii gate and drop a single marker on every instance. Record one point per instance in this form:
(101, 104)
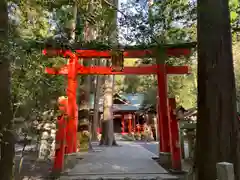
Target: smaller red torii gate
(73, 68)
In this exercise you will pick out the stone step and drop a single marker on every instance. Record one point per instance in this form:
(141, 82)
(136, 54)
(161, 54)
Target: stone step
(114, 176)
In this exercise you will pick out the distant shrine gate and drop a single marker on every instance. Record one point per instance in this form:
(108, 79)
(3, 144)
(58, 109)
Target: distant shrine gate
(167, 124)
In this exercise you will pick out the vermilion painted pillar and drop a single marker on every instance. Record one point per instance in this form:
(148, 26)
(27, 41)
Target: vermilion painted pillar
(60, 145)
(163, 118)
(71, 134)
(75, 146)
(138, 128)
(129, 125)
(134, 122)
(123, 124)
(174, 137)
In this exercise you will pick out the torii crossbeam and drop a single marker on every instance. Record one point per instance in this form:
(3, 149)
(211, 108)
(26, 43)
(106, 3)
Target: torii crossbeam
(102, 70)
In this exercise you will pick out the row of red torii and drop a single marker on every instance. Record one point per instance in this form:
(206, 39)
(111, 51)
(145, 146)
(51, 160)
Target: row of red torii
(167, 124)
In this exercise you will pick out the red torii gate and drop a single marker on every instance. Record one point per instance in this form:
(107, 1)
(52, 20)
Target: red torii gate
(73, 68)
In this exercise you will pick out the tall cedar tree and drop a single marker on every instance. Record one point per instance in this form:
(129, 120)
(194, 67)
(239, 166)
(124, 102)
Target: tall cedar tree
(6, 116)
(217, 127)
(108, 137)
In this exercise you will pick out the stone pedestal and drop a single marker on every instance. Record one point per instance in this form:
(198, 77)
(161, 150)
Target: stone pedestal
(82, 141)
(70, 160)
(165, 160)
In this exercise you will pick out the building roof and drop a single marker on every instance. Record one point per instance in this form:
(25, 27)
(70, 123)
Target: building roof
(123, 102)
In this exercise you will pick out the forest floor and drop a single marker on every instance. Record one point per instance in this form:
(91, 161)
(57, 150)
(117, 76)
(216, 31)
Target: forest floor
(31, 168)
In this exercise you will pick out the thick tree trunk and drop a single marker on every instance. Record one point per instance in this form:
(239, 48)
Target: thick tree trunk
(74, 23)
(107, 137)
(6, 116)
(217, 126)
(84, 110)
(97, 94)
(84, 107)
(84, 113)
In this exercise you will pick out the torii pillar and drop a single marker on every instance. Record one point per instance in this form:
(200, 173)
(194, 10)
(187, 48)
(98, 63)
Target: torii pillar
(72, 109)
(71, 133)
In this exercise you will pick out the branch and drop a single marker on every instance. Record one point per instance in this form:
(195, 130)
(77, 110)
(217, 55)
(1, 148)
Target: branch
(93, 45)
(153, 37)
(237, 29)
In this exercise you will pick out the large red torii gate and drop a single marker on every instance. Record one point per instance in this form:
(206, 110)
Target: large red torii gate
(73, 68)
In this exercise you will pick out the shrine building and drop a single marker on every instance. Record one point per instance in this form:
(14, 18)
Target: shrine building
(127, 111)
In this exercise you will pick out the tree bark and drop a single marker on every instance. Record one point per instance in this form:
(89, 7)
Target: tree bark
(97, 94)
(84, 118)
(6, 116)
(107, 137)
(217, 126)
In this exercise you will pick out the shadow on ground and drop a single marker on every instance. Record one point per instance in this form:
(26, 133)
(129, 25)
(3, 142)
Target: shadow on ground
(31, 168)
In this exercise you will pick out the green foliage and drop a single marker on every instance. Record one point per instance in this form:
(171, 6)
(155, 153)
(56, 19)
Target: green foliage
(171, 21)
(32, 89)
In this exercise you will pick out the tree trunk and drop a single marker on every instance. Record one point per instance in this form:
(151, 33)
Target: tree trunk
(97, 94)
(217, 126)
(84, 107)
(107, 137)
(84, 121)
(74, 23)
(6, 118)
